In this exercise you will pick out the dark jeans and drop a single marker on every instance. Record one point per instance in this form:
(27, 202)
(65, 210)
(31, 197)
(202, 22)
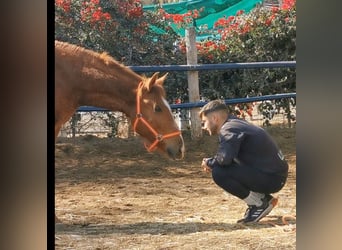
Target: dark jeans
(240, 180)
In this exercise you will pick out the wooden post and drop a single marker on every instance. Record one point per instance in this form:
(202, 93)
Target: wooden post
(191, 55)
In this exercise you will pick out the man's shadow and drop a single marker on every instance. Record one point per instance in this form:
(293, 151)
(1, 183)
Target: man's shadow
(164, 228)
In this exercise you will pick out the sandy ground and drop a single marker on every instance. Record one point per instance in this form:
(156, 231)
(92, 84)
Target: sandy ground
(112, 194)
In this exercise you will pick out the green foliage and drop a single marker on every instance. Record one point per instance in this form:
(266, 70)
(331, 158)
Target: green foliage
(126, 35)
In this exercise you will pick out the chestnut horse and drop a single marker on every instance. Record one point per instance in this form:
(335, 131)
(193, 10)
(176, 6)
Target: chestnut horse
(86, 78)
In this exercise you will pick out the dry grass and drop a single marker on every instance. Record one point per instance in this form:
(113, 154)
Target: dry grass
(111, 194)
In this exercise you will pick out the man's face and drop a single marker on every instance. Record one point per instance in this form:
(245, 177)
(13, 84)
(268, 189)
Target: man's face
(209, 123)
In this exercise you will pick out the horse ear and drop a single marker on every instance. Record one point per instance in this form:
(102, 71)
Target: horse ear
(161, 80)
(151, 81)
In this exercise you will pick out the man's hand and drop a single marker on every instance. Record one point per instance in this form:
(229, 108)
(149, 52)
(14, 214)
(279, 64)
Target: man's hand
(204, 165)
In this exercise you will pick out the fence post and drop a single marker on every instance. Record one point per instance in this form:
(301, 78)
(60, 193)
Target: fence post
(191, 55)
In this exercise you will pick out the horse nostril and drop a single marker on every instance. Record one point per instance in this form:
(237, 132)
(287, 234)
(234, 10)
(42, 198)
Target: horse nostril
(175, 153)
(170, 153)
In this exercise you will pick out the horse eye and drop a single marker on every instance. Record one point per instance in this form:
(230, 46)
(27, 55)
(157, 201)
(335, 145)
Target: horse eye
(157, 109)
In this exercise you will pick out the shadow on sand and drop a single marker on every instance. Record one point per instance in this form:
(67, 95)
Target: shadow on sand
(160, 228)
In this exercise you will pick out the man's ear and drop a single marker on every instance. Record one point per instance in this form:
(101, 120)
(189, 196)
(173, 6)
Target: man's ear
(216, 116)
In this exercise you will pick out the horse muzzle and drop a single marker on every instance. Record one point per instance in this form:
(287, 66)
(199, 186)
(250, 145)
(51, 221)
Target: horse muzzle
(176, 151)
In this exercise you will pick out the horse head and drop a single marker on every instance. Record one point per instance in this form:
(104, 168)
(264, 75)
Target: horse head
(154, 120)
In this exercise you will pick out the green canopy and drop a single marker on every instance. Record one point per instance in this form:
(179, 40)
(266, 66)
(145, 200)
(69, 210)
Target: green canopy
(213, 10)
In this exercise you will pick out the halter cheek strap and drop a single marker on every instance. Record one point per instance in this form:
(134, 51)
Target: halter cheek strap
(139, 117)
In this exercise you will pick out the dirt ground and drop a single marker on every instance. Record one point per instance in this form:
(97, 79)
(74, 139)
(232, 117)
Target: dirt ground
(112, 194)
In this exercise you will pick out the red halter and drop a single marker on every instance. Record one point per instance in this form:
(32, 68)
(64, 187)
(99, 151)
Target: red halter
(139, 117)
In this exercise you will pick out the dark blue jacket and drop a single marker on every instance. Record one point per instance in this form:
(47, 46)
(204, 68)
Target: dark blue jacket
(243, 143)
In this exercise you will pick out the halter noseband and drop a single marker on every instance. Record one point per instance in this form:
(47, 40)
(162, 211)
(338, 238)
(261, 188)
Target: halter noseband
(139, 117)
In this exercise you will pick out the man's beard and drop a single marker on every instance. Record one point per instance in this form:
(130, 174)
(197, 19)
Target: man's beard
(213, 130)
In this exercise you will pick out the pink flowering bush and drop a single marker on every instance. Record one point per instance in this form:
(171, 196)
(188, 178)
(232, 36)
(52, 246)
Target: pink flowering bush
(81, 22)
(119, 27)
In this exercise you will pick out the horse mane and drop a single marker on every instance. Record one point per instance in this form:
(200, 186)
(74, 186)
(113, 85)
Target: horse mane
(107, 60)
(103, 57)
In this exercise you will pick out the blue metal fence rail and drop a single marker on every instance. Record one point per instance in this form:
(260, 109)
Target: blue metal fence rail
(221, 66)
(201, 104)
(200, 67)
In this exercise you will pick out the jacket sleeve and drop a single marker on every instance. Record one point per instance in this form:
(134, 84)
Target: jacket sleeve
(229, 146)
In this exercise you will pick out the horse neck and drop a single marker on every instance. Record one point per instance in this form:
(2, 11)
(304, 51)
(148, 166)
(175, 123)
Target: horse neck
(116, 94)
(86, 78)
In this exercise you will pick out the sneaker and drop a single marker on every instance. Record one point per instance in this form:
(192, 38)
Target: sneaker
(248, 210)
(254, 213)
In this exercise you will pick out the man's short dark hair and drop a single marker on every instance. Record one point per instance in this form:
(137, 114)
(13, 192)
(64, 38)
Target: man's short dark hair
(212, 106)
